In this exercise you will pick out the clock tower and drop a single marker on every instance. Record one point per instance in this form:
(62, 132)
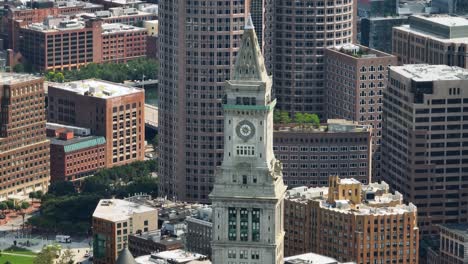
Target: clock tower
(248, 191)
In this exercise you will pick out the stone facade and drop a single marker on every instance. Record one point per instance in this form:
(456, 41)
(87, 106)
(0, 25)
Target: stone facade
(248, 193)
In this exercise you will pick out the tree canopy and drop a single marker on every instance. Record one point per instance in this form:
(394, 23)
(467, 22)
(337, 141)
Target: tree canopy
(113, 72)
(66, 210)
(302, 119)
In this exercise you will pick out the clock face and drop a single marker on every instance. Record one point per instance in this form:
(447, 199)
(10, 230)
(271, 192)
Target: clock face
(245, 130)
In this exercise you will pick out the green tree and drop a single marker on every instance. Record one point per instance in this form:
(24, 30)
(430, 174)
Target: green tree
(10, 204)
(19, 68)
(62, 188)
(67, 257)
(299, 118)
(284, 117)
(59, 77)
(39, 194)
(46, 256)
(276, 116)
(3, 206)
(32, 195)
(315, 120)
(25, 205)
(155, 141)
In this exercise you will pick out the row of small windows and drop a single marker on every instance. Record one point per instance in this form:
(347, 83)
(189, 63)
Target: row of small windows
(321, 149)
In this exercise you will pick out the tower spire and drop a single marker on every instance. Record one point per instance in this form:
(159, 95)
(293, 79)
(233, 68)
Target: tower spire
(250, 64)
(249, 23)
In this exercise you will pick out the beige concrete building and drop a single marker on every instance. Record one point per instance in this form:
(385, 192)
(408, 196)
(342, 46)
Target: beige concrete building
(350, 221)
(437, 39)
(310, 155)
(453, 244)
(425, 141)
(113, 221)
(356, 77)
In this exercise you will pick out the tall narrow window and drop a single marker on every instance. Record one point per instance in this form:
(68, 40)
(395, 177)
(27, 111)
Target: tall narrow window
(256, 225)
(244, 224)
(232, 225)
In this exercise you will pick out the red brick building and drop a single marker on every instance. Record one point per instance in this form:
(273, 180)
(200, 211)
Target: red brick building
(356, 77)
(121, 43)
(72, 158)
(113, 111)
(19, 17)
(24, 148)
(63, 44)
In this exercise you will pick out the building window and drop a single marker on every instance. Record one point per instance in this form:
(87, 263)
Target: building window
(244, 224)
(256, 225)
(245, 150)
(232, 224)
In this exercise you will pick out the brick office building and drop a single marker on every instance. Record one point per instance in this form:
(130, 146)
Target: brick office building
(72, 158)
(350, 221)
(127, 16)
(24, 148)
(310, 156)
(60, 43)
(113, 111)
(17, 17)
(121, 43)
(356, 77)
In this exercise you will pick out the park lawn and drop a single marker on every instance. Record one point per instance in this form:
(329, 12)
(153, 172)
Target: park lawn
(19, 256)
(16, 259)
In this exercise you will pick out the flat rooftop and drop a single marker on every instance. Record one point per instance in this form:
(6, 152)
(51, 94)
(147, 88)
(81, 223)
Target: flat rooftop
(116, 210)
(7, 78)
(443, 28)
(427, 73)
(125, 2)
(64, 25)
(360, 52)
(156, 236)
(118, 27)
(97, 88)
(459, 229)
(332, 126)
(177, 256)
(446, 20)
(310, 258)
(78, 143)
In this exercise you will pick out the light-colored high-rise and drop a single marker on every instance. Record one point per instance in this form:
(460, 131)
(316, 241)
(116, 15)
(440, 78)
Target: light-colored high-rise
(198, 43)
(425, 141)
(248, 193)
